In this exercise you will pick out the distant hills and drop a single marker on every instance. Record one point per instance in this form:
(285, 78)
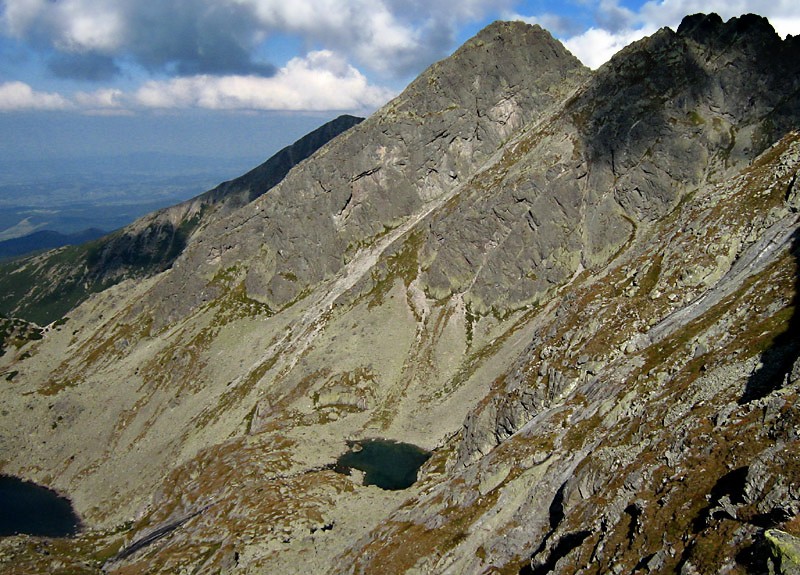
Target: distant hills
(45, 240)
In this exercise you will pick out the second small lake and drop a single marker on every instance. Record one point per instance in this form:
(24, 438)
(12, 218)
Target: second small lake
(28, 508)
(386, 464)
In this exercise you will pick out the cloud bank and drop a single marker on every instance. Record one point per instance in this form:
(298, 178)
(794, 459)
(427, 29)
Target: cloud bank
(124, 55)
(322, 81)
(15, 96)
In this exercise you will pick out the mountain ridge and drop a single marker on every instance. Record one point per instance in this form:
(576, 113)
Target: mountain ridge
(45, 287)
(578, 289)
(444, 138)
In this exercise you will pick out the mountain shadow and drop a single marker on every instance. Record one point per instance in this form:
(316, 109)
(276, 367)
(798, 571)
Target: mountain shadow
(667, 106)
(780, 363)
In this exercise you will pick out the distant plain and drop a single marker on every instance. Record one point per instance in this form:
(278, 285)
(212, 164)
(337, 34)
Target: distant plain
(74, 194)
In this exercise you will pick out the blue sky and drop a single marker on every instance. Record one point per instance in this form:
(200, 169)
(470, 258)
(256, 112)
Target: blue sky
(104, 76)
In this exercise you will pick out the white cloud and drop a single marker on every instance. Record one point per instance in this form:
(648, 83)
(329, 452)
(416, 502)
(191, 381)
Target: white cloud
(89, 25)
(18, 96)
(595, 47)
(321, 81)
(223, 37)
(71, 25)
(377, 35)
(18, 15)
(785, 25)
(387, 41)
(613, 17)
(103, 99)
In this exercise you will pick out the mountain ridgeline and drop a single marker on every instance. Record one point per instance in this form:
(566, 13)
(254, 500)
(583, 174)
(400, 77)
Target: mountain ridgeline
(42, 288)
(575, 289)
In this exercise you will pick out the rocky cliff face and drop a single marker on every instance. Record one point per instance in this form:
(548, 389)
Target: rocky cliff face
(398, 165)
(578, 289)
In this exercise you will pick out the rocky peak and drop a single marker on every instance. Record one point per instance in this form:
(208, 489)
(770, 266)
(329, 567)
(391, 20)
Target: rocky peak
(386, 172)
(663, 117)
(491, 64)
(711, 29)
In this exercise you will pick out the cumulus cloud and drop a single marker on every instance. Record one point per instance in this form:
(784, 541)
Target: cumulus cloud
(321, 81)
(226, 37)
(17, 96)
(189, 37)
(392, 37)
(612, 17)
(596, 46)
(106, 99)
(72, 25)
(194, 37)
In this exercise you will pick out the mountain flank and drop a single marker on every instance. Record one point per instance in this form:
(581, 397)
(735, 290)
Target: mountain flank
(42, 288)
(577, 290)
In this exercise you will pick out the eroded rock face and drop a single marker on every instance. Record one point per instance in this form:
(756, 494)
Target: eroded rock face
(668, 114)
(785, 551)
(414, 151)
(638, 428)
(578, 289)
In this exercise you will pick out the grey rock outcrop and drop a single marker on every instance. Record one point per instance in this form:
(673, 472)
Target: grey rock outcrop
(664, 116)
(786, 552)
(426, 142)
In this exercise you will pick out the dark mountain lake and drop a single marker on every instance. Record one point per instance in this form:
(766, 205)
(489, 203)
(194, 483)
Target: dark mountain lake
(27, 508)
(386, 464)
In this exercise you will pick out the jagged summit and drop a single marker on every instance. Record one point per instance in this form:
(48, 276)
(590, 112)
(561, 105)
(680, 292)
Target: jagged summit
(663, 117)
(710, 28)
(577, 289)
(489, 68)
(506, 35)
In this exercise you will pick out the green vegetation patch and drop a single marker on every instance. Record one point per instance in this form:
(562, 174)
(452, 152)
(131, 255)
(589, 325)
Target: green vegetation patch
(15, 332)
(402, 264)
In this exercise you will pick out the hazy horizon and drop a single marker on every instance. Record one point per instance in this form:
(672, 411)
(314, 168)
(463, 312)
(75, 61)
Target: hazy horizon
(143, 166)
(58, 135)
